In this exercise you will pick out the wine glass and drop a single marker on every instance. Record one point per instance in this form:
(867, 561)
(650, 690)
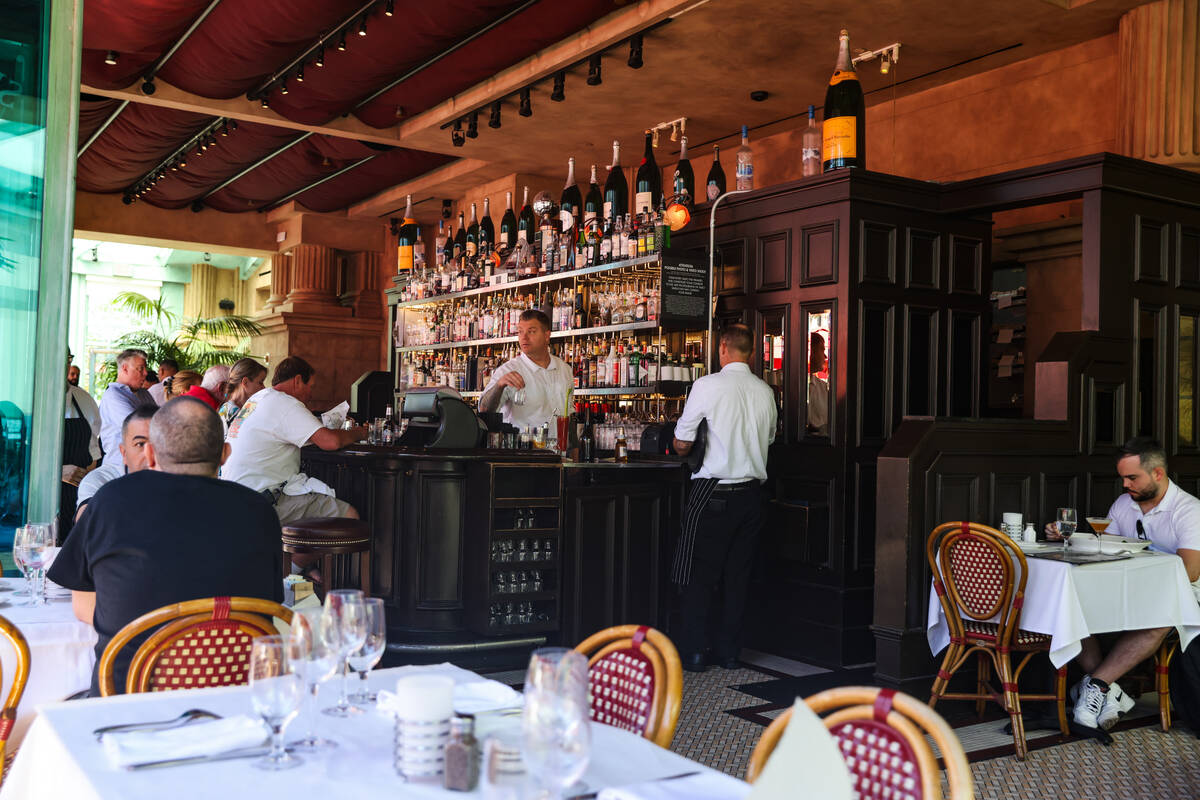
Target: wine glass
(367, 656)
(556, 741)
(29, 550)
(345, 629)
(26, 589)
(310, 657)
(275, 694)
(1066, 525)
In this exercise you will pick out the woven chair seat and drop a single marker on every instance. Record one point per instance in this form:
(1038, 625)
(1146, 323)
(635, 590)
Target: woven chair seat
(317, 532)
(988, 631)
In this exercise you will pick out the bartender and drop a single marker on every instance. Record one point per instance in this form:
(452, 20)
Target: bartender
(725, 514)
(535, 387)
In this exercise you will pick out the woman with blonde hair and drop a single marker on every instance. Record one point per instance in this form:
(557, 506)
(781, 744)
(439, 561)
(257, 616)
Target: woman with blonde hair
(246, 378)
(178, 384)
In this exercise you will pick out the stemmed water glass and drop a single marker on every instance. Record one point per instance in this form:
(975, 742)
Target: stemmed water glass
(344, 624)
(367, 656)
(1066, 525)
(556, 741)
(314, 661)
(275, 694)
(29, 552)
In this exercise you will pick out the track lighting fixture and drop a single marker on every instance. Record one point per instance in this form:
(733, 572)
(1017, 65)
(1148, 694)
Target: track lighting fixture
(127, 199)
(342, 43)
(320, 59)
(560, 81)
(174, 166)
(300, 74)
(526, 108)
(362, 27)
(183, 160)
(473, 125)
(593, 78)
(635, 51)
(233, 124)
(283, 86)
(390, 8)
(265, 103)
(457, 138)
(111, 58)
(494, 119)
(225, 128)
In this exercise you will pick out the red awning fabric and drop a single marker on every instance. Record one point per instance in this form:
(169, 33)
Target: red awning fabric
(136, 141)
(138, 31)
(93, 111)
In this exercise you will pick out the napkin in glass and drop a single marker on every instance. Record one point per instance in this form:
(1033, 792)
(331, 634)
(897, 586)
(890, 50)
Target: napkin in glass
(471, 697)
(207, 738)
(706, 785)
(805, 756)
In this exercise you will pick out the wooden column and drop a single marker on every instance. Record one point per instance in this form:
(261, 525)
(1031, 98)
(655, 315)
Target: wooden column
(364, 273)
(313, 275)
(1159, 83)
(280, 275)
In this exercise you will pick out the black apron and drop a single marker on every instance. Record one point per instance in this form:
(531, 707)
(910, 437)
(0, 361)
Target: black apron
(77, 438)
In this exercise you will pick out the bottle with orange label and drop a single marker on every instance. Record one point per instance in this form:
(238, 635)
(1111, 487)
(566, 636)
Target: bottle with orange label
(406, 240)
(844, 129)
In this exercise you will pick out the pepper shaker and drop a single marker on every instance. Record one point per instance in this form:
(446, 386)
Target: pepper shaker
(461, 770)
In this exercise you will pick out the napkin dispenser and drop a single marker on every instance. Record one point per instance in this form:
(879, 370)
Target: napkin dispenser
(439, 419)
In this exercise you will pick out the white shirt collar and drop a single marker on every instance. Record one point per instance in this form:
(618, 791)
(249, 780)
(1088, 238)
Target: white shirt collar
(736, 366)
(534, 365)
(1168, 500)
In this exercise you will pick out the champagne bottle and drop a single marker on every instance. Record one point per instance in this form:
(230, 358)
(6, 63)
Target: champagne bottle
(715, 182)
(685, 179)
(508, 224)
(844, 141)
(745, 163)
(811, 145)
(570, 205)
(526, 224)
(593, 204)
(406, 239)
(648, 184)
(460, 238)
(487, 228)
(616, 190)
(472, 246)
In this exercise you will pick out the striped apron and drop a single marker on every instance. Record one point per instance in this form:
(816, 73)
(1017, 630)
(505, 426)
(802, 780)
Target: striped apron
(702, 490)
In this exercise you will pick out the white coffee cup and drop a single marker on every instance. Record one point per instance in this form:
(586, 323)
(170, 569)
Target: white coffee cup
(1012, 523)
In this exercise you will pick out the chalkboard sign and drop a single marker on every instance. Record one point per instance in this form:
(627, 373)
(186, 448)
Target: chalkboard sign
(684, 294)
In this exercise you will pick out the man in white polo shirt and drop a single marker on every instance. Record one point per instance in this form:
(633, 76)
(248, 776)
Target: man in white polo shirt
(535, 387)
(1155, 509)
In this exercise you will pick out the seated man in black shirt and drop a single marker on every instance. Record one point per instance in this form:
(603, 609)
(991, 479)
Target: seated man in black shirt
(207, 538)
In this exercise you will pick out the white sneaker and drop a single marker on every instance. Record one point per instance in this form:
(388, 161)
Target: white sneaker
(1089, 701)
(1116, 702)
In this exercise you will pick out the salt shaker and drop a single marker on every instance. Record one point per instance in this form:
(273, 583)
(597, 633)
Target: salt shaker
(1030, 533)
(461, 771)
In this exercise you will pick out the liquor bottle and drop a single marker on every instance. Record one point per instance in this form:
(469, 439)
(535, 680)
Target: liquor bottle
(406, 240)
(460, 238)
(472, 246)
(843, 139)
(448, 251)
(811, 145)
(616, 189)
(745, 163)
(487, 228)
(508, 224)
(685, 179)
(593, 204)
(606, 242)
(587, 439)
(716, 176)
(648, 184)
(418, 249)
(570, 205)
(526, 224)
(621, 448)
(439, 243)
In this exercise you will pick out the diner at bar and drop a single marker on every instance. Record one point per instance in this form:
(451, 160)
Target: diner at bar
(618, 399)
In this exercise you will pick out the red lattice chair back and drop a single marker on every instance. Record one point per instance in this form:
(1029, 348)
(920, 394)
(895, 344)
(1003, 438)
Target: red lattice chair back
(978, 573)
(197, 644)
(635, 680)
(881, 736)
(8, 715)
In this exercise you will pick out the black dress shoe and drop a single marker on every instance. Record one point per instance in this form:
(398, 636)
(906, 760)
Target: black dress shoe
(729, 663)
(695, 662)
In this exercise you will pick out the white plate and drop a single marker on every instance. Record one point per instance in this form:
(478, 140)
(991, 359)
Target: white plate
(1108, 544)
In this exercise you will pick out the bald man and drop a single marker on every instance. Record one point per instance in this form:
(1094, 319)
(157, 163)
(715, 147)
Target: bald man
(211, 538)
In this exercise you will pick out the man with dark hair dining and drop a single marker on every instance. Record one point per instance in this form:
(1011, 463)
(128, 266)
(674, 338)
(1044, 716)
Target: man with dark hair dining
(210, 538)
(535, 387)
(1154, 508)
(724, 515)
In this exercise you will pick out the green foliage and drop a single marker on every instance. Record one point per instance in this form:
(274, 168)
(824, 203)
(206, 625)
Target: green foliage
(191, 344)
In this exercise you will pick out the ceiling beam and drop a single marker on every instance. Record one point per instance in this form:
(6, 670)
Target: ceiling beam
(465, 171)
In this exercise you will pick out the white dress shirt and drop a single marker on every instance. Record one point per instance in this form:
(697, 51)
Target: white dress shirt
(740, 409)
(548, 391)
(1172, 525)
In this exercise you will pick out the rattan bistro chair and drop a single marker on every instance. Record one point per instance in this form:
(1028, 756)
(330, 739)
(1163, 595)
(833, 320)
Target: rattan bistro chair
(881, 735)
(636, 680)
(199, 643)
(979, 575)
(8, 715)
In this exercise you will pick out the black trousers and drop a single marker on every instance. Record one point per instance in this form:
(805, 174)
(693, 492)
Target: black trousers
(726, 542)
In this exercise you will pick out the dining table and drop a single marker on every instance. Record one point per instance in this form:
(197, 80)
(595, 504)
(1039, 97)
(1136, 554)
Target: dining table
(1071, 601)
(63, 758)
(62, 650)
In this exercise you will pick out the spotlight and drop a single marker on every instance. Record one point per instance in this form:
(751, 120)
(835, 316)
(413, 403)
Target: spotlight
(446, 210)
(183, 160)
(265, 103)
(300, 75)
(283, 86)
(593, 78)
(390, 8)
(111, 58)
(203, 145)
(473, 125)
(494, 119)
(885, 64)
(212, 141)
(526, 109)
(560, 82)
(174, 166)
(320, 59)
(233, 124)
(342, 43)
(674, 132)
(635, 51)
(127, 199)
(225, 128)
(456, 136)
(148, 87)
(362, 27)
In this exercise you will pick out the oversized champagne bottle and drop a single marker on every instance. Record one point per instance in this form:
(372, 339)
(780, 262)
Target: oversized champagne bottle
(648, 185)
(685, 179)
(616, 189)
(407, 239)
(508, 224)
(843, 137)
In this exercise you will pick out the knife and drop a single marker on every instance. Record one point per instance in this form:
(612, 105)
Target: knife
(246, 752)
(591, 795)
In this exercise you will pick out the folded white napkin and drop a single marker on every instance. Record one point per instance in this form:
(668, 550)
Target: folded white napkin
(707, 785)
(196, 739)
(300, 484)
(472, 697)
(805, 756)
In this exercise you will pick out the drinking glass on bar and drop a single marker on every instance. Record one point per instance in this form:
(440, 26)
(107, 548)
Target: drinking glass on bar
(1066, 525)
(562, 425)
(367, 656)
(345, 627)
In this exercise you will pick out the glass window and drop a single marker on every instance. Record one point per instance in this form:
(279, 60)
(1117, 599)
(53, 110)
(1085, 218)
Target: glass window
(773, 358)
(819, 400)
(1187, 380)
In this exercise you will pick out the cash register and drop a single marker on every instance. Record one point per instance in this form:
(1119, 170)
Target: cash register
(438, 417)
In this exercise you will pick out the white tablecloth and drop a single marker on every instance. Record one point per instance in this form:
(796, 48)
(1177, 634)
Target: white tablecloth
(1073, 601)
(62, 759)
(62, 653)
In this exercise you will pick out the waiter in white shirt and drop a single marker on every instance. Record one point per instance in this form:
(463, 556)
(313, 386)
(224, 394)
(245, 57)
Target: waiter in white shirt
(535, 387)
(725, 513)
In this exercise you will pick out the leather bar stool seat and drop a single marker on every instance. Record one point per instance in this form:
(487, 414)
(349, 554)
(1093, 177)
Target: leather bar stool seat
(327, 538)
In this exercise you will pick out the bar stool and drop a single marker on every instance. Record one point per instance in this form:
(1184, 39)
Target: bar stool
(328, 537)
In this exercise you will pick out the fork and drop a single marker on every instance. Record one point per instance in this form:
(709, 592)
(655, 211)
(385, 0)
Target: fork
(177, 722)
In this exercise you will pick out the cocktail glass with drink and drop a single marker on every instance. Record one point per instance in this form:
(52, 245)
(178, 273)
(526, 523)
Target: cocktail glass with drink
(1099, 526)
